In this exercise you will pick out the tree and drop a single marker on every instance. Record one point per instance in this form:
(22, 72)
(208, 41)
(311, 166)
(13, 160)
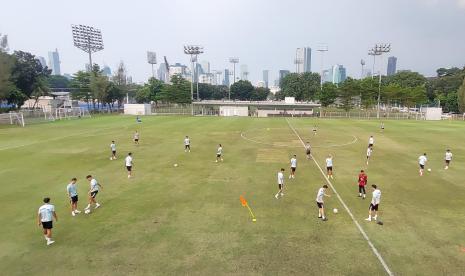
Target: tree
(368, 92)
(220, 92)
(406, 79)
(327, 94)
(150, 91)
(177, 92)
(27, 74)
(114, 94)
(303, 87)
(242, 90)
(310, 85)
(260, 94)
(461, 97)
(5, 74)
(99, 87)
(348, 89)
(81, 84)
(58, 81)
(15, 97)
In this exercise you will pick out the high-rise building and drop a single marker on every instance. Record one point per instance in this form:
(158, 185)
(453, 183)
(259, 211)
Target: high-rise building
(282, 74)
(339, 74)
(244, 72)
(226, 77)
(54, 62)
(303, 59)
(106, 71)
(162, 73)
(42, 61)
(205, 67)
(266, 77)
(392, 66)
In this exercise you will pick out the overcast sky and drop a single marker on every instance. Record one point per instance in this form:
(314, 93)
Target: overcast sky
(425, 34)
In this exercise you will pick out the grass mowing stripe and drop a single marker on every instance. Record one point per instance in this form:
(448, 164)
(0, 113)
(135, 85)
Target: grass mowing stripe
(364, 234)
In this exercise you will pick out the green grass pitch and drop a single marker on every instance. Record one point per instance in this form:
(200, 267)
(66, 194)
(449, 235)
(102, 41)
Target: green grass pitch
(189, 219)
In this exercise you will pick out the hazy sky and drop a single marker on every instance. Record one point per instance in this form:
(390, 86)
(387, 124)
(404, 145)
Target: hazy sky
(425, 34)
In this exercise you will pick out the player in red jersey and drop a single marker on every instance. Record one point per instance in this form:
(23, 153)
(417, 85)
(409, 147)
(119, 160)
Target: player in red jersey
(362, 182)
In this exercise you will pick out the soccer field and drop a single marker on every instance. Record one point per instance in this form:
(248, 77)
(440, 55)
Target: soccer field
(189, 219)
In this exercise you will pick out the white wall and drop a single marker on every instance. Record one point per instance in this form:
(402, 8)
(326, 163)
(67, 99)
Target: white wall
(137, 109)
(432, 113)
(234, 111)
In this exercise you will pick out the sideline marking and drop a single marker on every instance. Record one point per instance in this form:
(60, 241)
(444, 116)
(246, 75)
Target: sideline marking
(364, 234)
(243, 136)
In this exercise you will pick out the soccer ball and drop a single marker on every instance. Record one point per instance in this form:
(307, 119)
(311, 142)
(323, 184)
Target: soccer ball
(87, 211)
(429, 170)
(335, 210)
(175, 165)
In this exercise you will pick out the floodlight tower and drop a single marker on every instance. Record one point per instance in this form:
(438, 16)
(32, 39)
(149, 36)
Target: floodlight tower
(152, 59)
(88, 39)
(193, 51)
(362, 62)
(234, 61)
(322, 49)
(378, 50)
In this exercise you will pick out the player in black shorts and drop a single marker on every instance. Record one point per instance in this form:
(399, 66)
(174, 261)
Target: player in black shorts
(308, 149)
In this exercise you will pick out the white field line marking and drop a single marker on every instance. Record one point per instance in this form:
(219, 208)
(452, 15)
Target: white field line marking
(364, 234)
(243, 136)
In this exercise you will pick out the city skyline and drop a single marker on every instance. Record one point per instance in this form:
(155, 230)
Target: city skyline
(234, 33)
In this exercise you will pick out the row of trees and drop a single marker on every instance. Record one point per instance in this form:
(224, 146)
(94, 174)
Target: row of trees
(404, 89)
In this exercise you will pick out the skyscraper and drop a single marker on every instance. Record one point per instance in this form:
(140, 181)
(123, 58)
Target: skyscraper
(42, 61)
(54, 62)
(266, 77)
(336, 74)
(106, 71)
(392, 66)
(162, 73)
(205, 67)
(244, 72)
(226, 77)
(303, 57)
(282, 74)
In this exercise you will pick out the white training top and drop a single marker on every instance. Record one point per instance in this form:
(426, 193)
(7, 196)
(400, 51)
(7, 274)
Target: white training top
(422, 160)
(94, 186)
(46, 212)
(113, 146)
(187, 141)
(369, 152)
(376, 199)
(219, 150)
(71, 189)
(371, 140)
(329, 162)
(136, 135)
(320, 195)
(280, 178)
(293, 163)
(448, 155)
(128, 161)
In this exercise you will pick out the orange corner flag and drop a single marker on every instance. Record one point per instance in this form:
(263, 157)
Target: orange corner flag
(243, 201)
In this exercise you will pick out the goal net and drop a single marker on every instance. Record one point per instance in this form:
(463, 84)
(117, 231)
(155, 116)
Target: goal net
(12, 118)
(71, 112)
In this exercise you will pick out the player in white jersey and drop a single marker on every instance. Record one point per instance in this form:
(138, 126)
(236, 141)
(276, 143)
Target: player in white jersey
(136, 137)
(374, 204)
(369, 152)
(187, 144)
(308, 150)
(45, 217)
(422, 162)
(113, 150)
(71, 189)
(129, 163)
(219, 153)
(320, 202)
(280, 183)
(293, 166)
(93, 191)
(329, 166)
(314, 130)
(371, 141)
(382, 126)
(448, 159)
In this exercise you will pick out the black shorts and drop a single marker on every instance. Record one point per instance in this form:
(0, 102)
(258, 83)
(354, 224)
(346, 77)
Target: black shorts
(74, 199)
(280, 186)
(329, 169)
(129, 168)
(136, 140)
(293, 169)
(370, 145)
(218, 155)
(373, 207)
(320, 204)
(422, 166)
(308, 152)
(114, 152)
(93, 194)
(187, 146)
(447, 162)
(47, 224)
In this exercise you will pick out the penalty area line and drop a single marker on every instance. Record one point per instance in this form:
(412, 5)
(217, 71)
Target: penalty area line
(364, 234)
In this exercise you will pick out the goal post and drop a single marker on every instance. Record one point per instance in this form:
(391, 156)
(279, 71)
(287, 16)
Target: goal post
(71, 112)
(14, 118)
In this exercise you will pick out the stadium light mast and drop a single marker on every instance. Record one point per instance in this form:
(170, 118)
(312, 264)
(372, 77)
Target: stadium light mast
(193, 51)
(362, 62)
(88, 39)
(234, 61)
(322, 49)
(378, 50)
(152, 59)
